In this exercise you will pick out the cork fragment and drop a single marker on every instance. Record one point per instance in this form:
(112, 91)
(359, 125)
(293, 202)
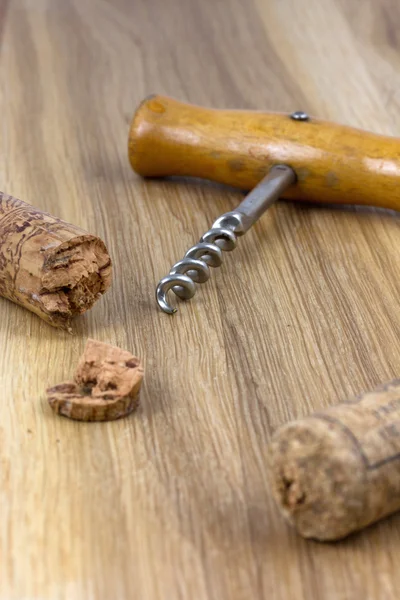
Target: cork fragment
(105, 387)
(50, 267)
(338, 470)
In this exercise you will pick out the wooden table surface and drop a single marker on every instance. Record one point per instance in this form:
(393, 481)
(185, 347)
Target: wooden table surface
(174, 501)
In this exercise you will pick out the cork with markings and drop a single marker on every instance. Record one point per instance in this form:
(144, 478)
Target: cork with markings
(50, 267)
(105, 387)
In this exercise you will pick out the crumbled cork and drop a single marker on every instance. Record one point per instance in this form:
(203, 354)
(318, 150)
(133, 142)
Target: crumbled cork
(50, 267)
(106, 385)
(338, 470)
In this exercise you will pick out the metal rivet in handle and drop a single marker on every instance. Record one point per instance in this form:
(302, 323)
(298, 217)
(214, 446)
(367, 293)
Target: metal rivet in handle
(300, 115)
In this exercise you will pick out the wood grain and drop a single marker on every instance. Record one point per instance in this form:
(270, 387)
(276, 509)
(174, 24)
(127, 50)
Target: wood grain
(174, 501)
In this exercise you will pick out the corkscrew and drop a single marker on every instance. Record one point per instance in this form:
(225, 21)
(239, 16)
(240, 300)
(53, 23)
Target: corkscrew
(332, 164)
(195, 266)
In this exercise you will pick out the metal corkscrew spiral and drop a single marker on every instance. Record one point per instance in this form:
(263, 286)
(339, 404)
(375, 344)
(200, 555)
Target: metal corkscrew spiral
(222, 237)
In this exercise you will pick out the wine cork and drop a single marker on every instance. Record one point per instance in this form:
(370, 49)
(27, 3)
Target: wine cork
(50, 267)
(105, 387)
(338, 470)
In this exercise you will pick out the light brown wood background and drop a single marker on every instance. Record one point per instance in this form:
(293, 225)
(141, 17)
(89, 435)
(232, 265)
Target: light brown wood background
(174, 501)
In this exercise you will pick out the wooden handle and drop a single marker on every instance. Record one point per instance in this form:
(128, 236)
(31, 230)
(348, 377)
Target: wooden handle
(333, 163)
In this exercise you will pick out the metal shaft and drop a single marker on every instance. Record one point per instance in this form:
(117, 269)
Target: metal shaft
(194, 268)
(266, 193)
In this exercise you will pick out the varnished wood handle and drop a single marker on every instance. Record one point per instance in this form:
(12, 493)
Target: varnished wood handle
(333, 163)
